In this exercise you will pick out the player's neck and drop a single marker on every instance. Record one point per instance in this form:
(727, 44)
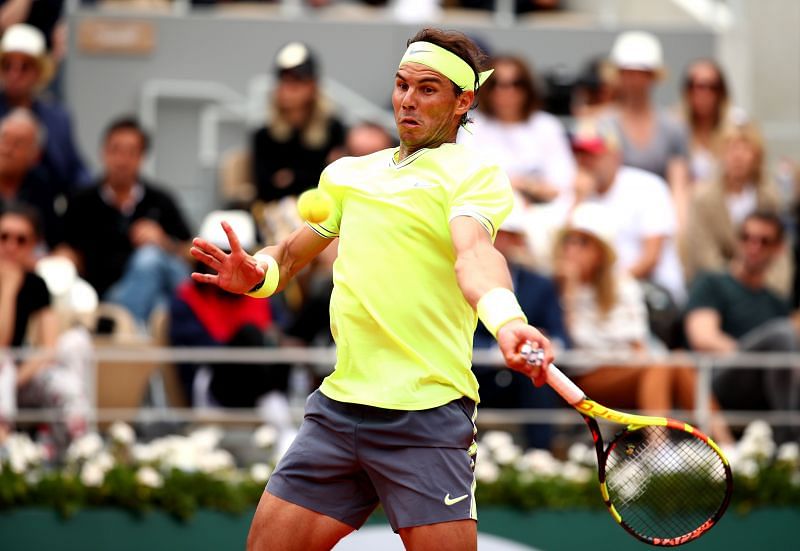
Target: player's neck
(406, 150)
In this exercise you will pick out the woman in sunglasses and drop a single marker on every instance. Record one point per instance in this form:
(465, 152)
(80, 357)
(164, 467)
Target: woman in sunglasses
(528, 143)
(27, 318)
(706, 109)
(720, 207)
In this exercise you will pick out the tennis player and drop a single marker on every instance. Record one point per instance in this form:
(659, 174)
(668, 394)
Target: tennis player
(394, 422)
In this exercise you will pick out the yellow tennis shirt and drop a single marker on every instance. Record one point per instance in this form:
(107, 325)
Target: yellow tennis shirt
(402, 326)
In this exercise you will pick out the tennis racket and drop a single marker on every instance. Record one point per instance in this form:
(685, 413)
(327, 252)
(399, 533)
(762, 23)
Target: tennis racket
(663, 480)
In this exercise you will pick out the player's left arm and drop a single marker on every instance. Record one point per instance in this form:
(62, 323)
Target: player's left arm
(483, 277)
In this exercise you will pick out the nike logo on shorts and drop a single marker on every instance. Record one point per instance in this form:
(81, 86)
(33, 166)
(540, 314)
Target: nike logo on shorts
(453, 500)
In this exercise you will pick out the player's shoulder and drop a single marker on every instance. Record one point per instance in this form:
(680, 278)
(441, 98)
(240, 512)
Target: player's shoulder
(345, 166)
(462, 161)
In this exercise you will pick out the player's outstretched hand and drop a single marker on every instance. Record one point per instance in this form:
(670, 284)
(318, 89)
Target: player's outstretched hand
(511, 337)
(236, 272)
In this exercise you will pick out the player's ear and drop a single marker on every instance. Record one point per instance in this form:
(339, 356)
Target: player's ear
(464, 101)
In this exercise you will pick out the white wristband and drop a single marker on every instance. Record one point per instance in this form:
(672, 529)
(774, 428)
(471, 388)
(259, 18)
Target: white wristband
(272, 274)
(497, 307)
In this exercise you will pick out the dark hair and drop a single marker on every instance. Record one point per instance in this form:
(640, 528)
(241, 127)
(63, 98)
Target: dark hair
(533, 99)
(461, 45)
(127, 123)
(722, 87)
(769, 217)
(26, 211)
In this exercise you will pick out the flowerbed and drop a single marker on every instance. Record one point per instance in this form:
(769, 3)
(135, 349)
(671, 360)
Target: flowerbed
(181, 474)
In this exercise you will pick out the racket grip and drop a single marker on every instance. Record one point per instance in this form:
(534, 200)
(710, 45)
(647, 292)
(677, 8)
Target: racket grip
(564, 386)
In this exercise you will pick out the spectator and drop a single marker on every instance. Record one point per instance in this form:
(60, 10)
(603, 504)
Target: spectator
(503, 388)
(719, 208)
(302, 135)
(734, 310)
(649, 138)
(705, 110)
(47, 378)
(605, 312)
(593, 91)
(127, 236)
(205, 315)
(528, 143)
(366, 138)
(25, 68)
(21, 143)
(638, 202)
(45, 15)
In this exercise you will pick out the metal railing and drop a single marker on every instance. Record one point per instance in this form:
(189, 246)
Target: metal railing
(321, 361)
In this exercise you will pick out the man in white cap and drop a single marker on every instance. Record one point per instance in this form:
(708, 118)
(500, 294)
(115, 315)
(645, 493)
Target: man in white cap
(394, 423)
(25, 68)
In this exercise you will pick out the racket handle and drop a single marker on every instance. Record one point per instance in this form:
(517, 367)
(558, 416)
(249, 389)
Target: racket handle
(555, 377)
(564, 386)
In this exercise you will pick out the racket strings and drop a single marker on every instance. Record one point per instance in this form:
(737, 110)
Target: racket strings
(664, 482)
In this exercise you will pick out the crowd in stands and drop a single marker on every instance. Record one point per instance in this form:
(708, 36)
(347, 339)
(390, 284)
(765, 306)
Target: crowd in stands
(638, 228)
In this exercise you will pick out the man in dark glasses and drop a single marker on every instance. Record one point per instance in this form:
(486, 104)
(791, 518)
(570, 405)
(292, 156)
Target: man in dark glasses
(735, 311)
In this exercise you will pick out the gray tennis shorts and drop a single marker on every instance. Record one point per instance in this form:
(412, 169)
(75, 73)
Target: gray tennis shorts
(348, 457)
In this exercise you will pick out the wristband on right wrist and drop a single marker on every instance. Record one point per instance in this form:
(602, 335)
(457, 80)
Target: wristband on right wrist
(497, 307)
(271, 277)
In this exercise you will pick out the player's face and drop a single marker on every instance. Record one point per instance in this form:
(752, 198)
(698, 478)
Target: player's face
(426, 108)
(17, 239)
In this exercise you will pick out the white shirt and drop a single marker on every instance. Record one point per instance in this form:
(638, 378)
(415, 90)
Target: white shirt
(640, 206)
(741, 204)
(537, 146)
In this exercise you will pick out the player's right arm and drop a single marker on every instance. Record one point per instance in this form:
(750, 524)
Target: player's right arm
(239, 272)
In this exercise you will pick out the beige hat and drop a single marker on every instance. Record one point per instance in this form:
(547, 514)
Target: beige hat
(27, 39)
(596, 221)
(638, 51)
(240, 220)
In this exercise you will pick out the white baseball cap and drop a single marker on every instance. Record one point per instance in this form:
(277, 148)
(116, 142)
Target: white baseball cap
(27, 39)
(595, 220)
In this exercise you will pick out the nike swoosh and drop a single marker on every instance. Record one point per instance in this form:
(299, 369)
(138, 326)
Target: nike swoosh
(452, 501)
(423, 185)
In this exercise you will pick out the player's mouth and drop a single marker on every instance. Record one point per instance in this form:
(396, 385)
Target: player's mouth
(409, 122)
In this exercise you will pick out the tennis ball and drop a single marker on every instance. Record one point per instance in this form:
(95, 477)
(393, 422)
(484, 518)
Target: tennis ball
(314, 206)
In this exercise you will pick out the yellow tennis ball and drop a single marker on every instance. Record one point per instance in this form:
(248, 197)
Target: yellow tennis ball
(314, 206)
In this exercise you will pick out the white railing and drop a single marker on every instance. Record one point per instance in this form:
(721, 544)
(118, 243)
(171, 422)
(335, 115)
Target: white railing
(321, 360)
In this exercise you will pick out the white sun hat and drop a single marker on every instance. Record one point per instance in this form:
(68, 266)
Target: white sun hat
(596, 221)
(639, 51)
(27, 39)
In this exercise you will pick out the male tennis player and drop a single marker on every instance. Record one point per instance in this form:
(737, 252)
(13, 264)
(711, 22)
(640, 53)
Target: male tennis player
(394, 422)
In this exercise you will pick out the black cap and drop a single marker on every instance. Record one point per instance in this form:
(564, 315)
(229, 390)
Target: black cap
(296, 59)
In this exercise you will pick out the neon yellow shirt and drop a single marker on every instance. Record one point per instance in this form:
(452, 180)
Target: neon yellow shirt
(402, 326)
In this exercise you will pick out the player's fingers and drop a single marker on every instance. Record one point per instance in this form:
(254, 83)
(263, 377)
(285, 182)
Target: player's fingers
(209, 248)
(233, 239)
(205, 258)
(205, 278)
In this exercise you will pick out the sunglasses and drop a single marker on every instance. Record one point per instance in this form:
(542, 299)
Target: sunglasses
(578, 239)
(516, 83)
(761, 240)
(7, 65)
(21, 238)
(700, 85)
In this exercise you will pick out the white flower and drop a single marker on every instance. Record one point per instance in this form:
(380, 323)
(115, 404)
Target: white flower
(85, 447)
(486, 470)
(92, 474)
(122, 433)
(758, 430)
(755, 448)
(23, 452)
(539, 462)
(789, 452)
(265, 436)
(260, 472)
(748, 468)
(206, 438)
(148, 476)
(582, 454)
(576, 473)
(104, 460)
(507, 454)
(214, 461)
(144, 453)
(494, 439)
